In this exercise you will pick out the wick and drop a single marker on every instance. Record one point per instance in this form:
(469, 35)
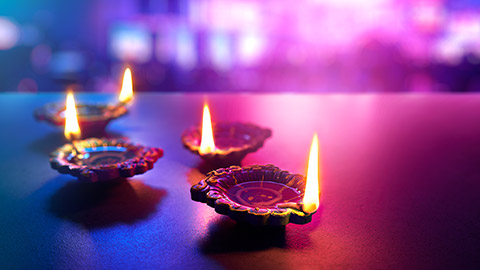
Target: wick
(77, 152)
(297, 206)
(125, 103)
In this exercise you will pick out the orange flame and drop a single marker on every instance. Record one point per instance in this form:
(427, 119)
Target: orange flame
(207, 144)
(311, 198)
(126, 94)
(72, 129)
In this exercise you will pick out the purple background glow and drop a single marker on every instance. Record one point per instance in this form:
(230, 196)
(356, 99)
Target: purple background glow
(231, 46)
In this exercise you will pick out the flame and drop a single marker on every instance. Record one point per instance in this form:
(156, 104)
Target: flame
(72, 129)
(311, 198)
(126, 95)
(207, 144)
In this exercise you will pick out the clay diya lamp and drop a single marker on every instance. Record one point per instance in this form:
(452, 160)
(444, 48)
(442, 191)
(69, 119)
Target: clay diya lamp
(225, 143)
(262, 194)
(94, 159)
(92, 118)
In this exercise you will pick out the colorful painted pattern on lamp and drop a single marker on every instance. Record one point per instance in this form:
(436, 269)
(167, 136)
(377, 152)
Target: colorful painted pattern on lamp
(253, 194)
(233, 141)
(95, 159)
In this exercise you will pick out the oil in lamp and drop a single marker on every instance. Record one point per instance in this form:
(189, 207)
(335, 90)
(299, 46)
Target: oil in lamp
(263, 194)
(92, 118)
(224, 143)
(95, 159)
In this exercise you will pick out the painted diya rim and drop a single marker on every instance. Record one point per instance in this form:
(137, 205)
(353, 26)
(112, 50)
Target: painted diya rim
(94, 159)
(245, 137)
(275, 195)
(52, 112)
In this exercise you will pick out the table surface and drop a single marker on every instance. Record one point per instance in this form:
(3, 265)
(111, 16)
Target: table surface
(401, 186)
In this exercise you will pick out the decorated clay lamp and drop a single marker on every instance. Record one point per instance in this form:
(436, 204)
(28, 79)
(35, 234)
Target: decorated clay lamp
(94, 159)
(263, 194)
(92, 118)
(224, 143)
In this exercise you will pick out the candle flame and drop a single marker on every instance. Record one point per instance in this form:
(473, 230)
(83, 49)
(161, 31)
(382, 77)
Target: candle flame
(207, 144)
(72, 129)
(311, 198)
(126, 94)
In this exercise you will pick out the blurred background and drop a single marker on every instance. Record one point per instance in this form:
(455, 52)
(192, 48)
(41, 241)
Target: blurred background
(241, 46)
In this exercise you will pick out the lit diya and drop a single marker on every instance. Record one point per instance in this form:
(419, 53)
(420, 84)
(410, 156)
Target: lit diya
(92, 118)
(263, 194)
(225, 143)
(94, 159)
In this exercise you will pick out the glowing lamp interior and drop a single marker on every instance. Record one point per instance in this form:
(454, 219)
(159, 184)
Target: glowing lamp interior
(311, 198)
(72, 129)
(126, 94)
(207, 144)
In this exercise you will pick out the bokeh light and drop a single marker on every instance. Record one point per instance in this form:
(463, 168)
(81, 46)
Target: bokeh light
(254, 46)
(27, 85)
(131, 43)
(9, 33)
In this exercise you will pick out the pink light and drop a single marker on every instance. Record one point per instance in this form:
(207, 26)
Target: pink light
(428, 16)
(449, 50)
(233, 15)
(464, 27)
(421, 83)
(304, 32)
(349, 3)
(462, 36)
(250, 47)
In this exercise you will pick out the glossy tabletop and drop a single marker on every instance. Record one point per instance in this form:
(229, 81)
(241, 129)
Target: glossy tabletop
(400, 186)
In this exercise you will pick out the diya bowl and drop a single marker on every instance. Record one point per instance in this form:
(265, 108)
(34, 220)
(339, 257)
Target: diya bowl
(258, 194)
(93, 159)
(233, 141)
(92, 118)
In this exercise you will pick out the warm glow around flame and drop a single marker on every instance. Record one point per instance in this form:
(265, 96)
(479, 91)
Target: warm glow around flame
(311, 198)
(72, 129)
(207, 144)
(126, 94)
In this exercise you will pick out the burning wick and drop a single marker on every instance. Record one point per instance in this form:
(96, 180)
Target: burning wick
(126, 94)
(72, 129)
(207, 144)
(311, 196)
